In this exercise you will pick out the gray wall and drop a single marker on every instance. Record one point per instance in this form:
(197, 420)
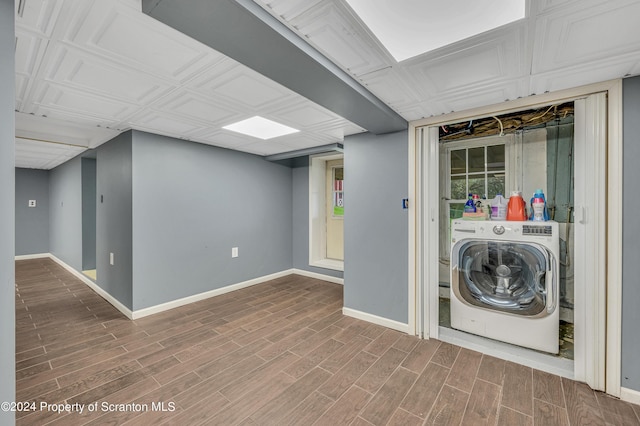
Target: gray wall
(192, 203)
(7, 209)
(65, 213)
(32, 223)
(88, 214)
(300, 225)
(114, 218)
(631, 236)
(376, 226)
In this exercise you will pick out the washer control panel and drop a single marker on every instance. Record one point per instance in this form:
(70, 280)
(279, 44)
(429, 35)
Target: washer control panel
(543, 230)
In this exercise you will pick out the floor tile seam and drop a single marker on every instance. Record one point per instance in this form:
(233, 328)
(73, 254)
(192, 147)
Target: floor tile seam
(602, 410)
(513, 409)
(564, 409)
(552, 402)
(99, 362)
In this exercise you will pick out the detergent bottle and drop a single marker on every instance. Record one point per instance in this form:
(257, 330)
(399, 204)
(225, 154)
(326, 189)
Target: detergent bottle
(539, 210)
(470, 205)
(516, 207)
(498, 208)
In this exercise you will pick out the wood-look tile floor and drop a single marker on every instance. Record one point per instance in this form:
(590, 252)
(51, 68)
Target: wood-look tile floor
(274, 354)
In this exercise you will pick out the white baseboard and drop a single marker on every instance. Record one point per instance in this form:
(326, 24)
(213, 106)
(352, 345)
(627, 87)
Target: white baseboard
(190, 299)
(323, 277)
(385, 322)
(95, 287)
(32, 256)
(630, 395)
(208, 294)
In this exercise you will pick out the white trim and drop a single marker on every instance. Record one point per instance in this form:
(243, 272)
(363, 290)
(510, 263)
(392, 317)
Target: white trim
(614, 195)
(334, 264)
(318, 213)
(385, 322)
(185, 300)
(207, 294)
(614, 242)
(329, 278)
(414, 323)
(33, 256)
(538, 360)
(630, 395)
(95, 287)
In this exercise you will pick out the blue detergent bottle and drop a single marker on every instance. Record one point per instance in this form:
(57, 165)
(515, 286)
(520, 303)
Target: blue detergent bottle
(539, 211)
(470, 205)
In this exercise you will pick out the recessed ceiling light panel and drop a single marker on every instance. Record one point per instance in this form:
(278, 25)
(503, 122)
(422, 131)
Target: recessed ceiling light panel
(261, 128)
(408, 28)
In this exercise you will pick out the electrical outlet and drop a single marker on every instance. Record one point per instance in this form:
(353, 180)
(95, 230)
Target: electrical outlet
(111, 259)
(32, 203)
(234, 252)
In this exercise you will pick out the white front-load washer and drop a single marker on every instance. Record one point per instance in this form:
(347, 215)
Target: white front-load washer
(504, 281)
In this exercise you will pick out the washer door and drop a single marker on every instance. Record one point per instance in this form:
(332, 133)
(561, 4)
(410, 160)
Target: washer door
(506, 276)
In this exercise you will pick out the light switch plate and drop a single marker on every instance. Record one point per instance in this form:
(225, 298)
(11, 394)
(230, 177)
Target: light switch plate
(32, 203)
(234, 252)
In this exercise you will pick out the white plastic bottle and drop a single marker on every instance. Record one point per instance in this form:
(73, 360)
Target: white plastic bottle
(499, 208)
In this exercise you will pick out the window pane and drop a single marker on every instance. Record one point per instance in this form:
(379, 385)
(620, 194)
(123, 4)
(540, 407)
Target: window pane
(495, 185)
(458, 187)
(495, 157)
(476, 160)
(456, 210)
(476, 185)
(338, 173)
(458, 162)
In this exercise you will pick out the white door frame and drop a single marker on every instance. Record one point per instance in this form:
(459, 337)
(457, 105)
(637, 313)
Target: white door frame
(609, 380)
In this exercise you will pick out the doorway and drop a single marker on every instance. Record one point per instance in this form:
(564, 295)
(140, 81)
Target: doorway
(326, 211)
(597, 237)
(334, 209)
(89, 194)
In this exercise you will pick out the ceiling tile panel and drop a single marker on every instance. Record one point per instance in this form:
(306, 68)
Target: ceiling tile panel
(495, 59)
(305, 115)
(49, 129)
(55, 97)
(94, 75)
(588, 73)
(486, 95)
(29, 49)
(580, 35)
(288, 9)
(329, 29)
(38, 16)
(159, 122)
(262, 148)
(223, 138)
(119, 32)
(41, 155)
(191, 107)
(397, 86)
(241, 87)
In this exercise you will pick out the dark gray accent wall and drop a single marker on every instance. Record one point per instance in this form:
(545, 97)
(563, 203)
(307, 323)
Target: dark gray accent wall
(7, 209)
(191, 204)
(244, 31)
(631, 235)
(114, 218)
(32, 223)
(300, 225)
(88, 214)
(65, 212)
(376, 226)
